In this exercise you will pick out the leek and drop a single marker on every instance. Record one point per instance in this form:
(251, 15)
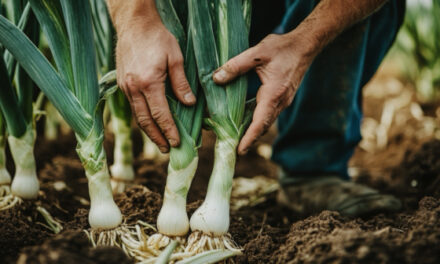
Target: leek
(5, 177)
(150, 150)
(219, 32)
(417, 49)
(53, 121)
(122, 169)
(16, 105)
(72, 88)
(173, 220)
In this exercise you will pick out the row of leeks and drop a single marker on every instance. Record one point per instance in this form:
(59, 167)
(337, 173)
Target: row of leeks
(214, 32)
(209, 33)
(72, 87)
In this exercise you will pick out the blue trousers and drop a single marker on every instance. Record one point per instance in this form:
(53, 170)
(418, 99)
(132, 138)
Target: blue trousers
(320, 129)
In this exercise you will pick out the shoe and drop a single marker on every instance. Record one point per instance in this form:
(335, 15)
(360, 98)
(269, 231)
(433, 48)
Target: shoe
(315, 194)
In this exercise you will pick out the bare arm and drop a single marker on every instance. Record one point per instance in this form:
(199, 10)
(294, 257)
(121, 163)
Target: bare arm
(146, 54)
(282, 60)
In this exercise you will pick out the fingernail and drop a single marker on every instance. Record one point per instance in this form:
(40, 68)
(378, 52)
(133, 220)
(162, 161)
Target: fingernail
(163, 149)
(220, 75)
(173, 142)
(189, 98)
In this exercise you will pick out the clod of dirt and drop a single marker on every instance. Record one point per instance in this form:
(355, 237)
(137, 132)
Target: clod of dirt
(19, 227)
(329, 238)
(139, 203)
(420, 170)
(71, 248)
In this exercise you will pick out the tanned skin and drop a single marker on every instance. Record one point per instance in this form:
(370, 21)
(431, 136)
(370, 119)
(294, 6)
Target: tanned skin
(147, 53)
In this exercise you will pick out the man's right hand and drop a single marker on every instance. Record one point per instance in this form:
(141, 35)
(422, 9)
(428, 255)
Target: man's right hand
(146, 54)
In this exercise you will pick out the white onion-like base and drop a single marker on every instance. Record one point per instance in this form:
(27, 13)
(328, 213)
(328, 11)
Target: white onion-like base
(123, 172)
(5, 177)
(212, 217)
(105, 215)
(25, 184)
(173, 220)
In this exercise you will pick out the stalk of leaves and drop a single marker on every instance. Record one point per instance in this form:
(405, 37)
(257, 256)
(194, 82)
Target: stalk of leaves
(122, 169)
(219, 31)
(173, 220)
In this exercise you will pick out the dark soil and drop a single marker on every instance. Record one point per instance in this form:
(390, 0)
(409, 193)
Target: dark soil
(71, 247)
(267, 232)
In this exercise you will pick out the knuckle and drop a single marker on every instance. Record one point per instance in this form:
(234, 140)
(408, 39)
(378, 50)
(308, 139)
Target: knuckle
(156, 139)
(135, 81)
(232, 66)
(182, 86)
(267, 122)
(176, 62)
(158, 114)
(143, 121)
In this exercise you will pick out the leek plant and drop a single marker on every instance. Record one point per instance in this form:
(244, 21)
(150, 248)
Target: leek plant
(418, 48)
(150, 150)
(219, 32)
(173, 222)
(72, 87)
(5, 177)
(16, 104)
(122, 169)
(53, 122)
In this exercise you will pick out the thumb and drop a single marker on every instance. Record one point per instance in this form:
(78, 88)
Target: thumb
(238, 65)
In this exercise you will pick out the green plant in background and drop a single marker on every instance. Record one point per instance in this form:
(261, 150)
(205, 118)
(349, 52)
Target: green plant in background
(122, 169)
(418, 47)
(73, 89)
(16, 104)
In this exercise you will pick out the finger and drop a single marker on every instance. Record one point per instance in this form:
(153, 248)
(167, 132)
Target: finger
(264, 115)
(179, 83)
(160, 111)
(237, 66)
(145, 122)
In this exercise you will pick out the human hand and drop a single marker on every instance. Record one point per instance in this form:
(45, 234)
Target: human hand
(146, 54)
(281, 62)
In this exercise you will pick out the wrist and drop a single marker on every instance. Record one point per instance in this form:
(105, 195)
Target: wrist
(139, 14)
(303, 43)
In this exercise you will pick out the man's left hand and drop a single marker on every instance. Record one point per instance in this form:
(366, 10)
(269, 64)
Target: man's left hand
(281, 62)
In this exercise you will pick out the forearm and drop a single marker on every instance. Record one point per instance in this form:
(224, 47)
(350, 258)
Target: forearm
(126, 13)
(330, 18)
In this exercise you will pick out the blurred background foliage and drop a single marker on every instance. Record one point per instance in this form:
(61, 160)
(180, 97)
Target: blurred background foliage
(417, 48)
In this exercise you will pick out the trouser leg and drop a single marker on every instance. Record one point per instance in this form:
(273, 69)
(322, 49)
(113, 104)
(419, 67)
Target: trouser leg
(319, 131)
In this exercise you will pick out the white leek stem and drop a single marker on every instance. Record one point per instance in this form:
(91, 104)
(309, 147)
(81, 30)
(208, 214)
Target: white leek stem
(122, 168)
(51, 123)
(173, 219)
(212, 217)
(5, 177)
(150, 150)
(104, 213)
(25, 183)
